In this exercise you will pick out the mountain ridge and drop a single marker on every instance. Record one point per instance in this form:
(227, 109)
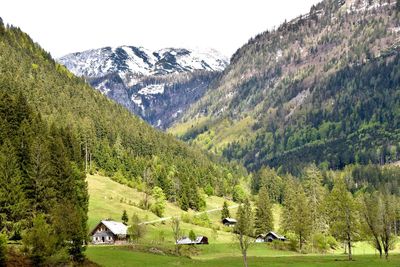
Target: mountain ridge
(156, 85)
(275, 91)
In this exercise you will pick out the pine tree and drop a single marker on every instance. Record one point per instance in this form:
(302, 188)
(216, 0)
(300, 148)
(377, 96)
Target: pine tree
(263, 218)
(225, 211)
(13, 202)
(42, 185)
(124, 217)
(315, 193)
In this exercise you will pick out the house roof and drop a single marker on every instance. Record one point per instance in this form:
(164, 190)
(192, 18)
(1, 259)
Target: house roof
(230, 220)
(276, 235)
(187, 241)
(117, 228)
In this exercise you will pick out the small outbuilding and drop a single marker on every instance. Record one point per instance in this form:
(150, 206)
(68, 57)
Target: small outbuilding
(109, 232)
(271, 236)
(229, 222)
(200, 240)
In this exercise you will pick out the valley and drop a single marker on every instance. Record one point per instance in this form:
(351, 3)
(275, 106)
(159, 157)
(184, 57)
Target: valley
(286, 154)
(111, 198)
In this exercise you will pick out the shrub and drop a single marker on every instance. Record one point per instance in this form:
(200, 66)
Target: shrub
(3, 249)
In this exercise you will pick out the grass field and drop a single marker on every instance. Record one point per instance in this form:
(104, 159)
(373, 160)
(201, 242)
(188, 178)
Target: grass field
(108, 199)
(112, 256)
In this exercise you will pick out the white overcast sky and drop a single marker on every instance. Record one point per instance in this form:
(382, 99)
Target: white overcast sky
(63, 27)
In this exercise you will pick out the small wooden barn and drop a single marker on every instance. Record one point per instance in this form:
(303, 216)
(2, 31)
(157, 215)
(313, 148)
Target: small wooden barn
(109, 232)
(200, 240)
(271, 236)
(229, 222)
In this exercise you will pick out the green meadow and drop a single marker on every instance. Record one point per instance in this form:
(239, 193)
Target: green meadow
(108, 199)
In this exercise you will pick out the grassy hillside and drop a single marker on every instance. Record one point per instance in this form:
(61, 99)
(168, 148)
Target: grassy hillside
(322, 87)
(108, 199)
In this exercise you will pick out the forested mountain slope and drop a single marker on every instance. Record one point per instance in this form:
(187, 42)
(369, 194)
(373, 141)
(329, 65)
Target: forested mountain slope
(109, 138)
(323, 87)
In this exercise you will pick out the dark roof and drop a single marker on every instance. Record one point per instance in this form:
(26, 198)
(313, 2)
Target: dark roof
(229, 220)
(277, 236)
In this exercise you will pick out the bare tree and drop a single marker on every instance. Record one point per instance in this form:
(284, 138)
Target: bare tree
(244, 228)
(176, 230)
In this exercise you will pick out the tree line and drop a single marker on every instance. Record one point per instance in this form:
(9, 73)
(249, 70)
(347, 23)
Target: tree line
(323, 208)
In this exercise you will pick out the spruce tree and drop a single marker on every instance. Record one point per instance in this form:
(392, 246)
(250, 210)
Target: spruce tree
(263, 218)
(13, 202)
(124, 217)
(225, 211)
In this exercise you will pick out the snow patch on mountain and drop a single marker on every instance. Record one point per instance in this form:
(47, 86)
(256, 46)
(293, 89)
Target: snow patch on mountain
(152, 89)
(138, 61)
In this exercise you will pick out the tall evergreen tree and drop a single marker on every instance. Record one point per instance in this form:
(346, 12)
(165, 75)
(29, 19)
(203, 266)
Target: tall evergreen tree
(315, 192)
(263, 218)
(225, 211)
(13, 203)
(124, 217)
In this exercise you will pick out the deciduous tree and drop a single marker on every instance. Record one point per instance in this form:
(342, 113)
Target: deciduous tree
(244, 228)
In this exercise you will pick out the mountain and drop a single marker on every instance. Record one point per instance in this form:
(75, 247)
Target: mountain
(156, 85)
(321, 88)
(104, 136)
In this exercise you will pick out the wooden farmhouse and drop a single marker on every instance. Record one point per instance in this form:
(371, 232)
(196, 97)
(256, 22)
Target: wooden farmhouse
(200, 240)
(109, 232)
(229, 222)
(271, 236)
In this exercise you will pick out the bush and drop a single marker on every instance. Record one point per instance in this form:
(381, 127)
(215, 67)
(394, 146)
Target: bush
(209, 190)
(280, 245)
(202, 220)
(39, 241)
(320, 242)
(331, 242)
(293, 242)
(238, 194)
(3, 249)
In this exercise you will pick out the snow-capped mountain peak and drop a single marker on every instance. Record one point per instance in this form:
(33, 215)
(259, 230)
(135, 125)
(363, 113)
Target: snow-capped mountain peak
(156, 85)
(140, 61)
